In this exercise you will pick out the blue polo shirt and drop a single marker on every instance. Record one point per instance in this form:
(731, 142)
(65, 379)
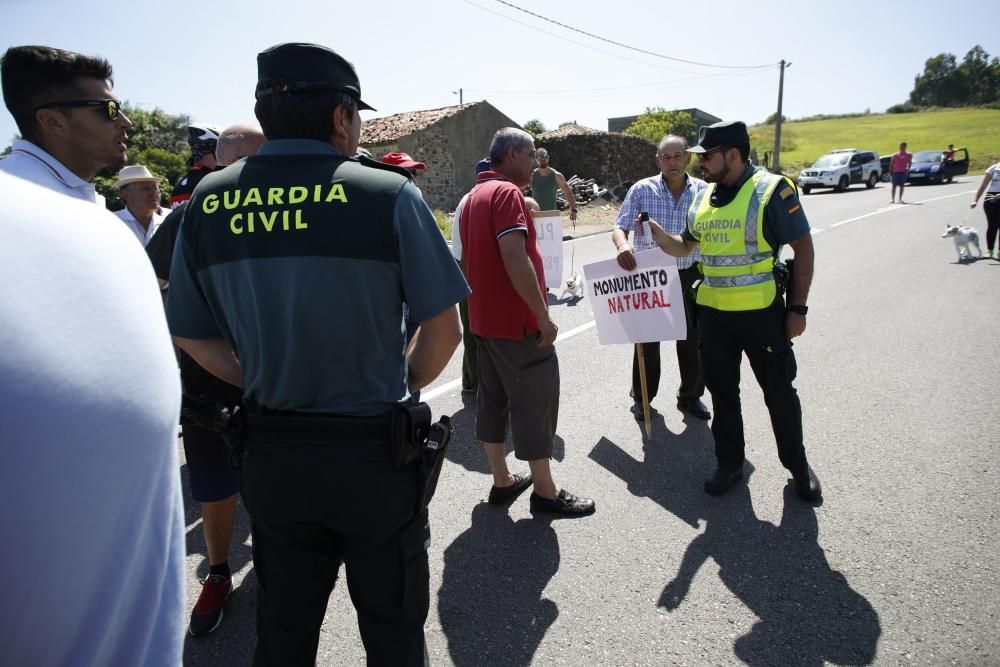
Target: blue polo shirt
(302, 259)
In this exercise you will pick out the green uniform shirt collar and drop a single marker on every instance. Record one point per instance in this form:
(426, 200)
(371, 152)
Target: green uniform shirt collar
(297, 147)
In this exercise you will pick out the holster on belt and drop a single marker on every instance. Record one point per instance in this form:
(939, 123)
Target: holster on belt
(416, 440)
(227, 418)
(783, 274)
(411, 422)
(432, 459)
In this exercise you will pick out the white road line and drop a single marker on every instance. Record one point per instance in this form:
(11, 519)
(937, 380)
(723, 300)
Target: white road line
(957, 194)
(897, 207)
(457, 382)
(443, 389)
(578, 330)
(816, 231)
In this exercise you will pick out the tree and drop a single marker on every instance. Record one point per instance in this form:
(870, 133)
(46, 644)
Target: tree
(773, 118)
(981, 76)
(940, 84)
(947, 83)
(157, 140)
(567, 122)
(657, 122)
(534, 127)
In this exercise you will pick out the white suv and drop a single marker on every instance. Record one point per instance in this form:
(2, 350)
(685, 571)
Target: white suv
(840, 168)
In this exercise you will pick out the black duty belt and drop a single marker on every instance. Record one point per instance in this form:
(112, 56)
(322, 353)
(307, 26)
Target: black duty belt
(318, 429)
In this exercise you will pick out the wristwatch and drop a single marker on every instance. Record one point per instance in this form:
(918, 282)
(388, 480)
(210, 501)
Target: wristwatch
(801, 310)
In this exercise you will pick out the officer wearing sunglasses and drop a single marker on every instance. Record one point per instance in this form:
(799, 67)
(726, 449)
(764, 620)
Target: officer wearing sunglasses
(72, 125)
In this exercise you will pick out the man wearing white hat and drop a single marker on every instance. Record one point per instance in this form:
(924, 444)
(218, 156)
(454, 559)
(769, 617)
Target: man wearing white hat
(140, 192)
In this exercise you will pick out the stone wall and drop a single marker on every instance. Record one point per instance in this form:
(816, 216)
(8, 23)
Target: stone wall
(429, 146)
(608, 158)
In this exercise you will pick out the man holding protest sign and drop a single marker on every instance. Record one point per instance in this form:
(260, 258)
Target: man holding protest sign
(740, 307)
(508, 312)
(666, 197)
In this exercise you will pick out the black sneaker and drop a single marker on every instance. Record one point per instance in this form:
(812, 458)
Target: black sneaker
(565, 503)
(500, 495)
(207, 613)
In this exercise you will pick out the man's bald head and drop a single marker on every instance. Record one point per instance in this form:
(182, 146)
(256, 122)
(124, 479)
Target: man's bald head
(672, 141)
(238, 141)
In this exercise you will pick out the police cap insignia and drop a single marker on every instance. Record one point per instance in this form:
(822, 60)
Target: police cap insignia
(297, 68)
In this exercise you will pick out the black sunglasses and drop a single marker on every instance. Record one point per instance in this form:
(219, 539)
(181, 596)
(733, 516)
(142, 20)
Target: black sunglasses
(708, 154)
(112, 108)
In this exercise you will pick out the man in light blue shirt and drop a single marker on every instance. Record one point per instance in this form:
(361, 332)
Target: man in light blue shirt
(666, 197)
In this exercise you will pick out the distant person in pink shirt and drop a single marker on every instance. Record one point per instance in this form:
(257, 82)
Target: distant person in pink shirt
(899, 167)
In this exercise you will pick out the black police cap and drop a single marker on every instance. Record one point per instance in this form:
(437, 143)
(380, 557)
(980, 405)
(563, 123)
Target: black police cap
(726, 133)
(297, 68)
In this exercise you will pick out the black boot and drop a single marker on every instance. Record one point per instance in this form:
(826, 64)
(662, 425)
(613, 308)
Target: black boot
(807, 485)
(722, 480)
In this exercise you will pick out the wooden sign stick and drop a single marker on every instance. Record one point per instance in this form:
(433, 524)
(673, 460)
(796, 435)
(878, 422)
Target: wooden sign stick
(645, 392)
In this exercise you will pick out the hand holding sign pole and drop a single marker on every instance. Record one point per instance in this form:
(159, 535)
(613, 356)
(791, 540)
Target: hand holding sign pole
(643, 305)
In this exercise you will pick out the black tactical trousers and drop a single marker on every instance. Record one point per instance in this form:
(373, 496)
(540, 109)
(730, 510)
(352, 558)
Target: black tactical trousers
(314, 507)
(688, 358)
(725, 337)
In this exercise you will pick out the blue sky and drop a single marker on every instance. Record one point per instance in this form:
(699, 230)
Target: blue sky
(200, 58)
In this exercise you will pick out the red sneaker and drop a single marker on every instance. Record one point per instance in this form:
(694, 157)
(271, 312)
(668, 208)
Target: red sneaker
(207, 613)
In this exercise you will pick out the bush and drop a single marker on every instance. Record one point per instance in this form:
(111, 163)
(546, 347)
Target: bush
(443, 223)
(904, 107)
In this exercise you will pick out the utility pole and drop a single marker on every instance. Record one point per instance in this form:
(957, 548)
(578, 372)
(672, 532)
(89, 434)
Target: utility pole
(775, 161)
(459, 93)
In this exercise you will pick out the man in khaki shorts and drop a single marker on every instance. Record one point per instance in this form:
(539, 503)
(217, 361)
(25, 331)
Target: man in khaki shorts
(508, 312)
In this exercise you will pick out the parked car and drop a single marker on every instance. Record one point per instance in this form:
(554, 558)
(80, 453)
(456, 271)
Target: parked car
(931, 167)
(840, 168)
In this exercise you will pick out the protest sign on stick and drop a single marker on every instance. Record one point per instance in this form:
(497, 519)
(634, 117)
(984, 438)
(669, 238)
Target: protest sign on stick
(549, 233)
(640, 306)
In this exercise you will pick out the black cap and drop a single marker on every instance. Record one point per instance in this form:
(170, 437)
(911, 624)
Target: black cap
(297, 67)
(727, 133)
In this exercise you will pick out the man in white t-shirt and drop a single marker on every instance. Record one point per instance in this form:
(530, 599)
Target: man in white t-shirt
(71, 123)
(140, 192)
(991, 206)
(91, 513)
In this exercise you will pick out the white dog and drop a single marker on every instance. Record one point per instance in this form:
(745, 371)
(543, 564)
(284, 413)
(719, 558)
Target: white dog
(574, 286)
(963, 237)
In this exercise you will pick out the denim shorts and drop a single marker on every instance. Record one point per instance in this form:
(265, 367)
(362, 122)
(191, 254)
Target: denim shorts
(899, 178)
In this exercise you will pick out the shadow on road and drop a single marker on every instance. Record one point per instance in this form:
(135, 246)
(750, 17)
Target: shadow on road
(233, 643)
(467, 451)
(490, 603)
(809, 614)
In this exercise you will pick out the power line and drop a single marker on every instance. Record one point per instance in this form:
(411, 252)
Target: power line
(627, 46)
(610, 88)
(571, 41)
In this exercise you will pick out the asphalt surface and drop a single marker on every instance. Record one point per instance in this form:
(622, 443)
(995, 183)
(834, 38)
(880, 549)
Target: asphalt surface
(898, 379)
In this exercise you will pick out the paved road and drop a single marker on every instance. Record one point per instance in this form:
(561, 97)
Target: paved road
(898, 372)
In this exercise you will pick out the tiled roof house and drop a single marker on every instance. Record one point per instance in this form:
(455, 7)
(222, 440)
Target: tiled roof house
(450, 141)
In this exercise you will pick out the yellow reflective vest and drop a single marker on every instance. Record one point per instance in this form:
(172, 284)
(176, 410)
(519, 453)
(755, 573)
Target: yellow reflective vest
(737, 261)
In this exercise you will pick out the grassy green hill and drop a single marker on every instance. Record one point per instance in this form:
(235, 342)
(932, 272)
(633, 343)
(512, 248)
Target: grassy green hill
(804, 141)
